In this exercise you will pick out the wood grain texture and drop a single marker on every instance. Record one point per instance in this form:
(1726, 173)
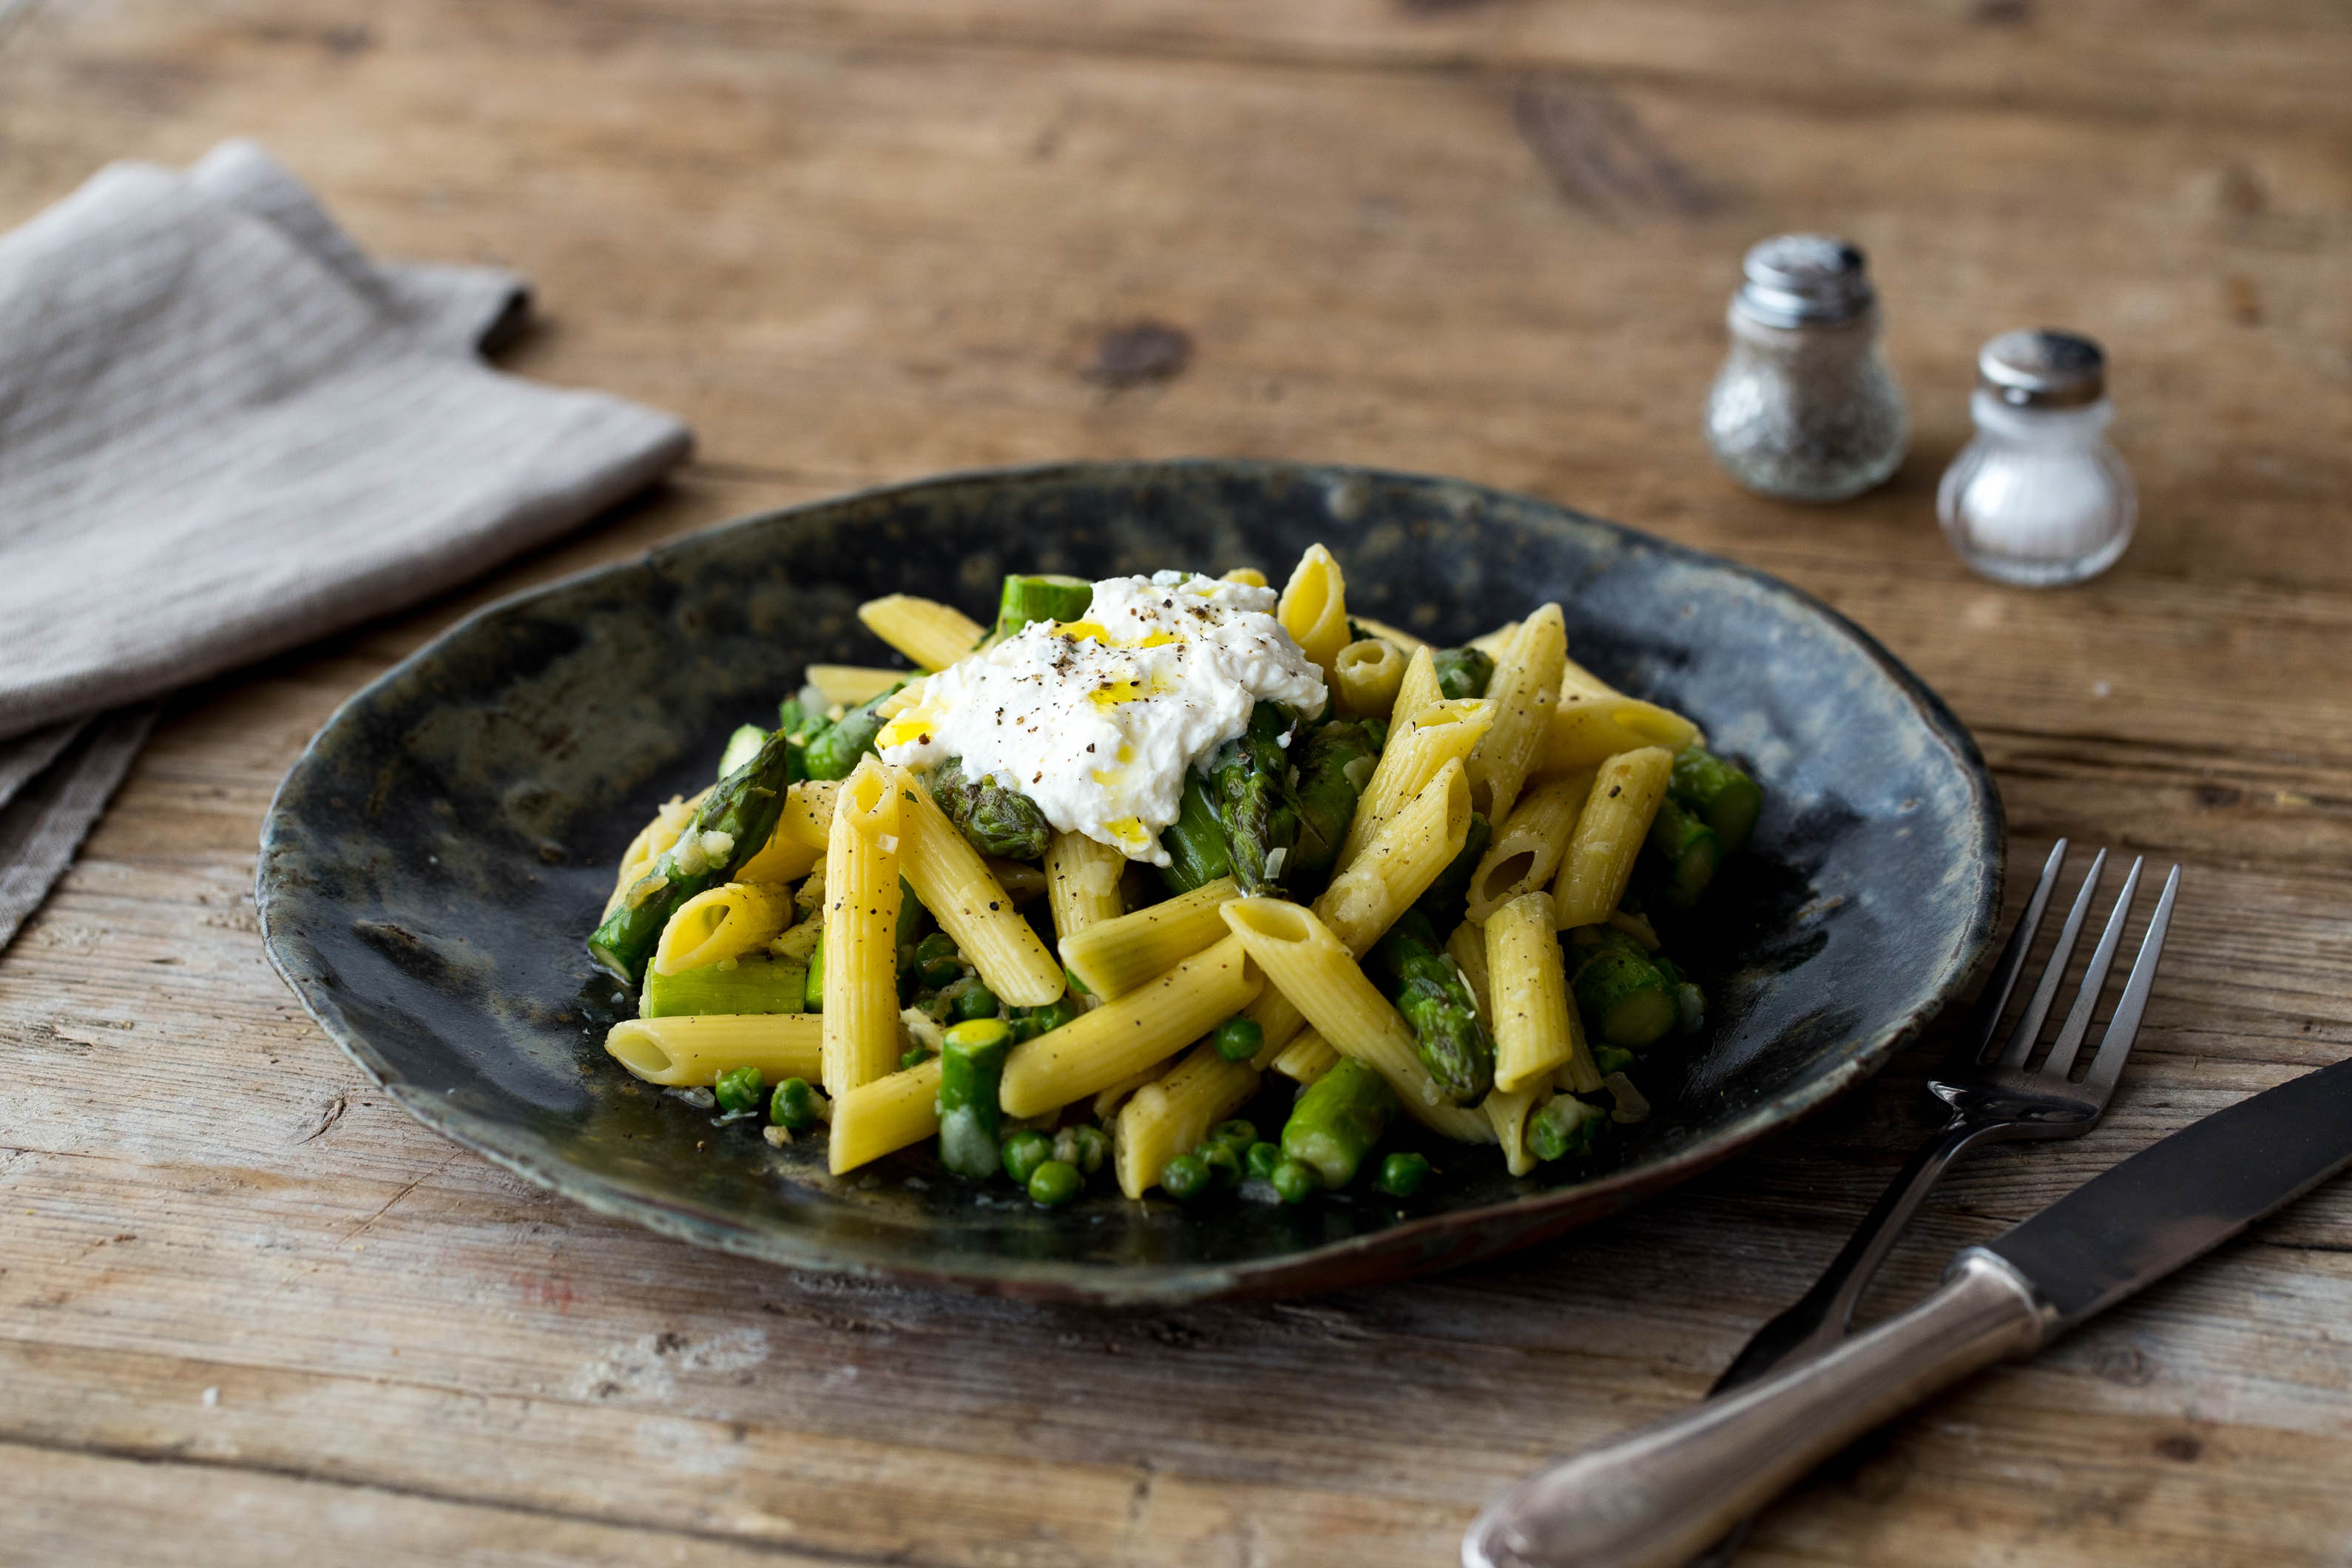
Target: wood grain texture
(250, 1312)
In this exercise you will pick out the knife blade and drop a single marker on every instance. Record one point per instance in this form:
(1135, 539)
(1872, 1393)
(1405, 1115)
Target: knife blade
(2183, 1195)
(1654, 1497)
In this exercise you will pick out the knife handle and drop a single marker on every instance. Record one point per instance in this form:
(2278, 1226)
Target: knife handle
(1655, 1498)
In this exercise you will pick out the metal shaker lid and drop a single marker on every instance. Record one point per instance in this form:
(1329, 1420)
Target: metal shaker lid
(1804, 280)
(2041, 367)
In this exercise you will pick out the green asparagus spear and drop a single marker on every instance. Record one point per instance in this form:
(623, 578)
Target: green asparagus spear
(1249, 780)
(998, 819)
(732, 825)
(1718, 794)
(1333, 766)
(1564, 1126)
(1689, 849)
(1044, 597)
(971, 1066)
(1337, 1121)
(755, 985)
(832, 752)
(1410, 966)
(741, 747)
(1444, 901)
(1463, 671)
(813, 996)
(1622, 998)
(1194, 843)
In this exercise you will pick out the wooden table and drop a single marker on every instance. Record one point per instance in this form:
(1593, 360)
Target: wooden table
(250, 1313)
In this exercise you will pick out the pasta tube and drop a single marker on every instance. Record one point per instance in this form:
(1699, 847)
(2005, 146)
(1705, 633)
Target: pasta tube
(1128, 1033)
(1306, 1059)
(1535, 1028)
(1493, 644)
(1082, 880)
(1108, 1100)
(1525, 691)
(1608, 833)
(1170, 1115)
(1368, 674)
(728, 921)
(883, 1116)
(1467, 948)
(952, 880)
(1308, 963)
(1403, 860)
(1418, 749)
(1590, 726)
(851, 684)
(1418, 688)
(1314, 608)
(1247, 576)
(685, 1052)
(1112, 958)
(802, 834)
(931, 634)
(653, 840)
(1507, 1115)
(861, 924)
(1526, 849)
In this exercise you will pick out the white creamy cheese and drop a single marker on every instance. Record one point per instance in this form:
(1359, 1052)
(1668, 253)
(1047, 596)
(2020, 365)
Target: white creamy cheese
(1096, 720)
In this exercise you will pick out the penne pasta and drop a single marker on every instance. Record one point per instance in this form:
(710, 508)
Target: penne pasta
(931, 634)
(1108, 1100)
(1417, 691)
(1507, 1115)
(1304, 959)
(1314, 608)
(726, 921)
(1407, 644)
(1247, 576)
(1587, 728)
(1403, 860)
(1525, 691)
(1493, 644)
(1113, 957)
(1170, 1115)
(1608, 833)
(1526, 849)
(1129, 1032)
(1418, 749)
(953, 882)
(1535, 1028)
(802, 834)
(1082, 879)
(861, 922)
(883, 1116)
(653, 841)
(851, 684)
(1367, 674)
(686, 1052)
(1306, 1059)
(1277, 1020)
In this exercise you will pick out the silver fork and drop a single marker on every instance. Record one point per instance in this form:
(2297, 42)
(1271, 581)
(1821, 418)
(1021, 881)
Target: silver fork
(1995, 1101)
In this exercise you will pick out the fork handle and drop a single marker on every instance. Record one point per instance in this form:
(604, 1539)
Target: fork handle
(1818, 1319)
(1650, 1500)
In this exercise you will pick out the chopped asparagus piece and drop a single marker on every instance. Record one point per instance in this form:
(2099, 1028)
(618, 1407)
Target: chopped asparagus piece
(971, 1068)
(1566, 1125)
(832, 752)
(1718, 794)
(751, 986)
(1194, 843)
(1249, 784)
(1334, 765)
(1043, 598)
(1413, 968)
(1463, 671)
(1689, 849)
(1337, 1121)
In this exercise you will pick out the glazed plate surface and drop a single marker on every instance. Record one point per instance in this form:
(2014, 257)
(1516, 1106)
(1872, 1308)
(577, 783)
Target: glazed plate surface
(432, 863)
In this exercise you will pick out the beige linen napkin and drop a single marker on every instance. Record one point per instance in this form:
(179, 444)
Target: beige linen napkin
(225, 431)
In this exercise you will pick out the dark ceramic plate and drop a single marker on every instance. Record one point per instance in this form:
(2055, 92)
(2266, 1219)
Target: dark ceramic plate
(430, 866)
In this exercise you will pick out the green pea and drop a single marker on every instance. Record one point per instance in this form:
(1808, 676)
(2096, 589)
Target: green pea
(1185, 1177)
(1262, 1159)
(1295, 1181)
(793, 1105)
(1403, 1174)
(1238, 1039)
(1084, 1147)
(1026, 1151)
(976, 1001)
(1610, 1058)
(936, 946)
(1224, 1165)
(738, 1091)
(935, 972)
(1054, 1183)
(1238, 1134)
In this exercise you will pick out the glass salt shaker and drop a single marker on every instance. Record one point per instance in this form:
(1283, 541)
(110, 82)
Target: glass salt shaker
(1805, 408)
(2039, 498)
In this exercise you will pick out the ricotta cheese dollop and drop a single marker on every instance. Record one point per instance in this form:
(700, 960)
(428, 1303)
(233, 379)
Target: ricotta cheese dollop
(1096, 720)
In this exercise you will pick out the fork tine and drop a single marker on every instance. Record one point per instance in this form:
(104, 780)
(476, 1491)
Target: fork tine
(2124, 1027)
(1994, 1001)
(2095, 980)
(2029, 1027)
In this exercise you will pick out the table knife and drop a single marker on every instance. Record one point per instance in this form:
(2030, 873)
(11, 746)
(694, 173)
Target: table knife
(1657, 1497)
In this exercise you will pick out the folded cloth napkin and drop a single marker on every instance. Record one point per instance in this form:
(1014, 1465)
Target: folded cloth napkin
(225, 431)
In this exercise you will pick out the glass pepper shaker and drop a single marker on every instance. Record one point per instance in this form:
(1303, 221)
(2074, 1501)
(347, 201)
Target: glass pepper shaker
(1805, 408)
(2039, 498)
